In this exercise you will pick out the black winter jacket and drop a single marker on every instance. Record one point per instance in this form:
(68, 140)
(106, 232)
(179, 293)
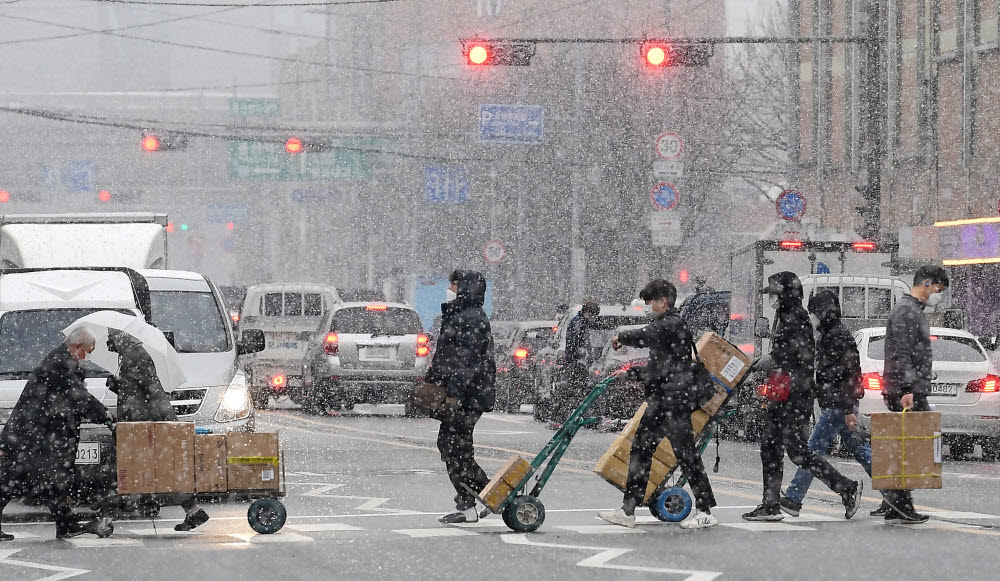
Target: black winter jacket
(838, 364)
(908, 354)
(793, 349)
(463, 362)
(140, 395)
(668, 377)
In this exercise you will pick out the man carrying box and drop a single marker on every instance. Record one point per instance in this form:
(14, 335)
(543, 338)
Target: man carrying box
(669, 387)
(907, 373)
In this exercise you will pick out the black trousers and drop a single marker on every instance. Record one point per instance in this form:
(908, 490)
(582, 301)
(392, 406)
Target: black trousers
(786, 430)
(902, 500)
(455, 444)
(674, 425)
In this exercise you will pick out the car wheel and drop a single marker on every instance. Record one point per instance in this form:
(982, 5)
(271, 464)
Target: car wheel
(315, 400)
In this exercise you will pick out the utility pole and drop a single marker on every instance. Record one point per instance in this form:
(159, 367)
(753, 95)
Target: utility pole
(875, 96)
(578, 257)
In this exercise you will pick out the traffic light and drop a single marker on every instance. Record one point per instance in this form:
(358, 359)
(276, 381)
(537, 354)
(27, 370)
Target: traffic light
(871, 213)
(170, 227)
(508, 54)
(157, 141)
(4, 196)
(661, 53)
(104, 196)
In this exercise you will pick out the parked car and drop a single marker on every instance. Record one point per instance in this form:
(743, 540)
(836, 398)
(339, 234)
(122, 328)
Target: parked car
(965, 388)
(623, 398)
(288, 314)
(516, 360)
(365, 353)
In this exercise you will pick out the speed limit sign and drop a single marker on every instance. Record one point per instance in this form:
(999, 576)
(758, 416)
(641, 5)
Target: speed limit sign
(669, 146)
(494, 252)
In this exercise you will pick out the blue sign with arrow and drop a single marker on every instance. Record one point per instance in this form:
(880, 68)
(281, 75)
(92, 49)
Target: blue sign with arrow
(664, 196)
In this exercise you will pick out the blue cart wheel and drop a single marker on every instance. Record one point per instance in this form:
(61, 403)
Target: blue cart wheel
(266, 516)
(672, 505)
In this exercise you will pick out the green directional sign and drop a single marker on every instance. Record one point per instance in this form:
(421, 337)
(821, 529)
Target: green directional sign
(345, 160)
(259, 107)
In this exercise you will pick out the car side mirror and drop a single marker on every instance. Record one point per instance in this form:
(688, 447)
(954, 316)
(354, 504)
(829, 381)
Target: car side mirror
(251, 341)
(762, 328)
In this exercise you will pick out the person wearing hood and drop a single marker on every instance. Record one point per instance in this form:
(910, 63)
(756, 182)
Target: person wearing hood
(40, 438)
(141, 398)
(464, 365)
(578, 358)
(906, 379)
(792, 358)
(839, 389)
(670, 391)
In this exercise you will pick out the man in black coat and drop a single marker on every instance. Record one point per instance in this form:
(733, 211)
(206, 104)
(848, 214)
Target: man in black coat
(578, 358)
(464, 365)
(670, 391)
(785, 425)
(39, 442)
(907, 374)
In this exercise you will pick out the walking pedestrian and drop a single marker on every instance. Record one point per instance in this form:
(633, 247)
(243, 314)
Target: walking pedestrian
(792, 357)
(578, 358)
(839, 389)
(670, 392)
(39, 441)
(907, 374)
(464, 365)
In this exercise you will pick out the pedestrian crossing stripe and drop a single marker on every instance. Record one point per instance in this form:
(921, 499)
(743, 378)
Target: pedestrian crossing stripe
(437, 532)
(765, 527)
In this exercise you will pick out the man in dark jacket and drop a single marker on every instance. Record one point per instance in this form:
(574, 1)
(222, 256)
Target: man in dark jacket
(838, 388)
(38, 444)
(464, 365)
(669, 386)
(578, 359)
(141, 398)
(907, 374)
(792, 352)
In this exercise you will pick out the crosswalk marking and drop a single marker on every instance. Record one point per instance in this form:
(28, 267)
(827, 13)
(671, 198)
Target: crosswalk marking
(766, 527)
(275, 538)
(813, 517)
(602, 530)
(437, 532)
(164, 533)
(323, 527)
(492, 523)
(95, 543)
(20, 535)
(959, 515)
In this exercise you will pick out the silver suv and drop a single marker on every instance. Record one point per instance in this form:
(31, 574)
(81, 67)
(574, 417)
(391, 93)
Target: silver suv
(365, 353)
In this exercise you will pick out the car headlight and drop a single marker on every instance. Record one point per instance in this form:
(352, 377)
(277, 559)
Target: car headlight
(235, 401)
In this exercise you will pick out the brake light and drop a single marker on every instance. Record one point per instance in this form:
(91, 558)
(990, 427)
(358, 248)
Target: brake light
(872, 381)
(791, 244)
(555, 329)
(377, 307)
(423, 350)
(235, 317)
(331, 344)
(521, 353)
(988, 384)
(423, 339)
(278, 381)
(863, 246)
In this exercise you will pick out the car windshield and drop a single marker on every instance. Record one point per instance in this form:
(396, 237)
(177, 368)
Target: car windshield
(28, 336)
(952, 349)
(376, 321)
(194, 318)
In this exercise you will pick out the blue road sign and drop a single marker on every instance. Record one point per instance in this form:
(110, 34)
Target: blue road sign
(223, 213)
(446, 184)
(791, 205)
(79, 175)
(822, 268)
(664, 196)
(315, 196)
(524, 124)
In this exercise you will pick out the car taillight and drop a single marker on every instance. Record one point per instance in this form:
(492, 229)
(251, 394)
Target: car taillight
(423, 345)
(791, 244)
(278, 381)
(988, 384)
(872, 381)
(863, 246)
(331, 344)
(377, 308)
(521, 353)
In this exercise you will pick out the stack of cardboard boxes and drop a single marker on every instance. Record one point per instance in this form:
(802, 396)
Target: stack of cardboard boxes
(169, 458)
(506, 480)
(727, 365)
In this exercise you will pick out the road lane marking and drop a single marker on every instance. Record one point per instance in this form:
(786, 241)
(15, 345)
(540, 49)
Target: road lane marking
(276, 538)
(324, 527)
(766, 527)
(601, 530)
(60, 573)
(19, 535)
(86, 543)
(436, 532)
(162, 533)
(481, 524)
(936, 513)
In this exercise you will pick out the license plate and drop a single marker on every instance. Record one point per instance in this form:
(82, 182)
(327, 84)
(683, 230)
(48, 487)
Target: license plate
(944, 389)
(282, 341)
(377, 353)
(88, 453)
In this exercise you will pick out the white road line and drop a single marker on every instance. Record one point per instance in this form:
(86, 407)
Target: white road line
(87, 543)
(322, 490)
(813, 517)
(324, 527)
(606, 554)
(254, 538)
(438, 532)
(482, 524)
(60, 572)
(959, 515)
(766, 527)
(507, 420)
(162, 533)
(18, 535)
(602, 530)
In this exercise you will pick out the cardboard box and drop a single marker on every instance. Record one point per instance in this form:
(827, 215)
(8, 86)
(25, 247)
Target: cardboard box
(715, 404)
(210, 467)
(723, 360)
(136, 461)
(173, 449)
(906, 451)
(505, 481)
(252, 461)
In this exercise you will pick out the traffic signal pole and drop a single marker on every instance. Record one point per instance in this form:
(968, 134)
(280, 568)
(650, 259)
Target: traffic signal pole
(876, 94)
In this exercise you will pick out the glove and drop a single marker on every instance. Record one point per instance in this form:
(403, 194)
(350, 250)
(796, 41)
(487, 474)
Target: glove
(110, 421)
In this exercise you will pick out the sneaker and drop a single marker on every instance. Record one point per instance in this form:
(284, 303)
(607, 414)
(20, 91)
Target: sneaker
(485, 512)
(881, 510)
(618, 517)
(6, 536)
(764, 513)
(852, 500)
(73, 530)
(460, 516)
(192, 521)
(699, 520)
(789, 506)
(894, 517)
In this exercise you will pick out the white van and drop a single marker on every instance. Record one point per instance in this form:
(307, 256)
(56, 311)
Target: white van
(865, 301)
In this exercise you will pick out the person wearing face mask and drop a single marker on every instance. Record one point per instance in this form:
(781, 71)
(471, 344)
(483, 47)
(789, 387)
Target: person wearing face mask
(39, 441)
(838, 388)
(669, 386)
(464, 365)
(792, 358)
(906, 379)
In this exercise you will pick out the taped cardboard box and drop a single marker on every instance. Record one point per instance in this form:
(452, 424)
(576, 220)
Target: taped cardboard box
(505, 481)
(906, 451)
(723, 360)
(136, 460)
(210, 468)
(252, 461)
(173, 447)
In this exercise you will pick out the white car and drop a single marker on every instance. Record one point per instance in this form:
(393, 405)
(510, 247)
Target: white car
(965, 388)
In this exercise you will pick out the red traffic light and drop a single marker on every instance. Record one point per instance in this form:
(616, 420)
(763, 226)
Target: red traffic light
(293, 145)
(230, 225)
(150, 142)
(4, 196)
(656, 55)
(104, 196)
(478, 54)
(170, 227)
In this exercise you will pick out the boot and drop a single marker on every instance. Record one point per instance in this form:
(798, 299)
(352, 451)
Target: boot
(6, 536)
(193, 520)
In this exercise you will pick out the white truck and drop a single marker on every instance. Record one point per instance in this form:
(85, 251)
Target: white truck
(136, 240)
